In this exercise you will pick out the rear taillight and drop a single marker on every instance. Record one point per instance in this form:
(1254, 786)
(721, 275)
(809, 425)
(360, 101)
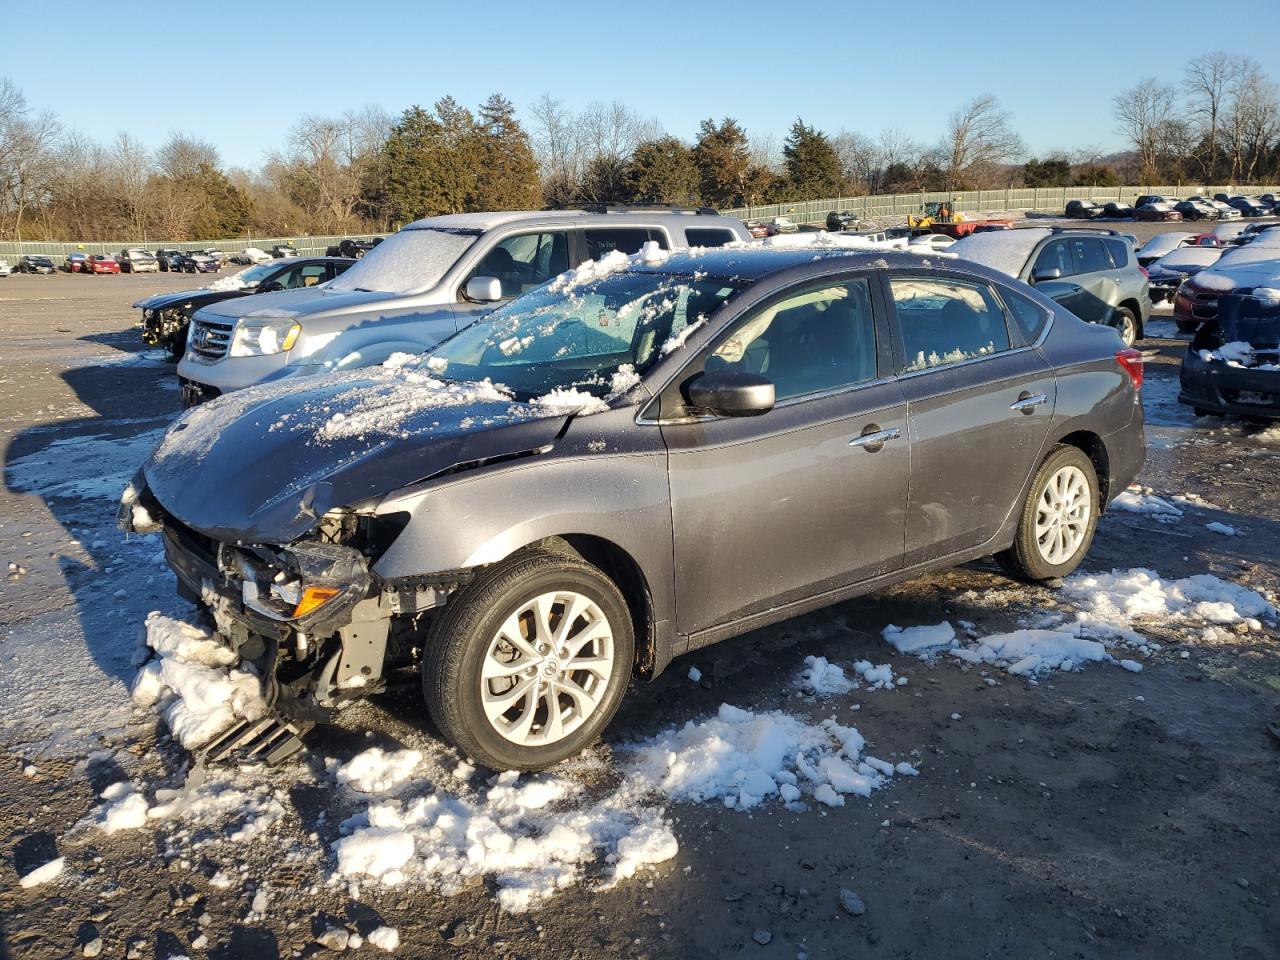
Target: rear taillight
(1130, 361)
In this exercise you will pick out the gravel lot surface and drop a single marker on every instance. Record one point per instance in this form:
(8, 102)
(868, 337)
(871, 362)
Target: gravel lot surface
(1099, 813)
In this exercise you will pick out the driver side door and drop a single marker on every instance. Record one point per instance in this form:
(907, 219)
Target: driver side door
(521, 262)
(772, 510)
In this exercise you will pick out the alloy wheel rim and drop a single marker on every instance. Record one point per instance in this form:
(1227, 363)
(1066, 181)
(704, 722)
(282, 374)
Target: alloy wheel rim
(1062, 515)
(547, 668)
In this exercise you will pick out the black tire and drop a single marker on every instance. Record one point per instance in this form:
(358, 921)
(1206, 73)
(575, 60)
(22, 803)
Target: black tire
(459, 643)
(1024, 559)
(1126, 324)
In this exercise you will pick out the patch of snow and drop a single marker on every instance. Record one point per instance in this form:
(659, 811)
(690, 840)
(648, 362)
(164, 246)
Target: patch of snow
(1031, 653)
(922, 639)
(823, 678)
(42, 874)
(570, 400)
(1222, 528)
(695, 674)
(385, 938)
(1142, 500)
(378, 771)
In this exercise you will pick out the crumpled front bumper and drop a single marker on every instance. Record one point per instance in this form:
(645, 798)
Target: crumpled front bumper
(1218, 387)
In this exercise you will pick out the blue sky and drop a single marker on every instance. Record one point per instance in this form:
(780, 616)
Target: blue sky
(239, 79)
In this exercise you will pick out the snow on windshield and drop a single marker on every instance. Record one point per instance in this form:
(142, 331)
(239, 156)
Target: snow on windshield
(410, 261)
(1003, 250)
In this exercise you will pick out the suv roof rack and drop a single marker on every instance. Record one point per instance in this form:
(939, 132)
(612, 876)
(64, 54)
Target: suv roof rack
(648, 208)
(1067, 228)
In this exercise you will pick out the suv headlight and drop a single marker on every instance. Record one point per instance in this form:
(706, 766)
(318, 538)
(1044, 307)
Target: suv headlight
(263, 336)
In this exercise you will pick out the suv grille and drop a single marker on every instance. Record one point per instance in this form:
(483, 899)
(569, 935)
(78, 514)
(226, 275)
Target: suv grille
(210, 339)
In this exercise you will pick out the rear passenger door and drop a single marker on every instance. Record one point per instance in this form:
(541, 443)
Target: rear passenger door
(979, 404)
(1094, 270)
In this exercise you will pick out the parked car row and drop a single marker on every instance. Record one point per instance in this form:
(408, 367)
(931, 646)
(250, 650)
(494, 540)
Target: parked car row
(515, 513)
(1154, 207)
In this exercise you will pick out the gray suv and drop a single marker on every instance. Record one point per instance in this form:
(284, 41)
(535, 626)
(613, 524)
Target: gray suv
(418, 286)
(628, 464)
(1093, 273)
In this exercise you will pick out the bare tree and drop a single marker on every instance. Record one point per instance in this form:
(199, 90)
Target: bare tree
(1146, 112)
(1248, 117)
(765, 152)
(1207, 80)
(978, 139)
(129, 170)
(859, 159)
(182, 156)
(326, 160)
(27, 166)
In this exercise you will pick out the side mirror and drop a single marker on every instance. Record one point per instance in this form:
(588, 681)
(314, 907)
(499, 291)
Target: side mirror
(275, 286)
(730, 393)
(1040, 274)
(483, 289)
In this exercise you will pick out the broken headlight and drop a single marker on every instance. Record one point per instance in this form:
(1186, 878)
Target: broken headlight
(297, 582)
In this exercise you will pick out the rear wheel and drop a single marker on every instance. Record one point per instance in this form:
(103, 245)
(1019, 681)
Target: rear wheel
(1058, 518)
(1126, 325)
(528, 664)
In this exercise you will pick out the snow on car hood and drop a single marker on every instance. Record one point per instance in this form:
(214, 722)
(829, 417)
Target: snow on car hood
(308, 302)
(262, 465)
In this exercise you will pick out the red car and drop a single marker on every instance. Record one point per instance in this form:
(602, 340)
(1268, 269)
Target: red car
(102, 263)
(76, 263)
(1159, 212)
(757, 229)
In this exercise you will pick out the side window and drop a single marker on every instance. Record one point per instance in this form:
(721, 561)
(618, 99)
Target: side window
(1119, 251)
(1090, 255)
(819, 339)
(1055, 255)
(288, 279)
(337, 269)
(708, 236)
(525, 260)
(947, 321)
(307, 276)
(602, 241)
(1030, 317)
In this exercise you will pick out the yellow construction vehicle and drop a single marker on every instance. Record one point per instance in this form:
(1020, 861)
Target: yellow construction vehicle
(934, 213)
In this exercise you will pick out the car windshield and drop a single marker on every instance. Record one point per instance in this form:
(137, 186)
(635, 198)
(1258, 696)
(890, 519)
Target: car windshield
(584, 337)
(410, 261)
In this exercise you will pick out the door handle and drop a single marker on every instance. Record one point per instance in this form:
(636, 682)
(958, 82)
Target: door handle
(1027, 402)
(873, 438)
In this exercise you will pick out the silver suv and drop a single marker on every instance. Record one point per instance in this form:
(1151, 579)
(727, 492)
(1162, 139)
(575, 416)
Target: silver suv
(419, 286)
(1093, 273)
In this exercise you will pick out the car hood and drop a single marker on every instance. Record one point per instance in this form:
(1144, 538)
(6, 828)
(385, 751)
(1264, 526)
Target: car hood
(263, 465)
(301, 303)
(198, 296)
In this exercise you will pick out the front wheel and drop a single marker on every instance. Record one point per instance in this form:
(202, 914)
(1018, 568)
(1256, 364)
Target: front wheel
(529, 662)
(1058, 518)
(1126, 325)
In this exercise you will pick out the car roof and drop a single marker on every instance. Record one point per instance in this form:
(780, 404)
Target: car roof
(497, 218)
(755, 261)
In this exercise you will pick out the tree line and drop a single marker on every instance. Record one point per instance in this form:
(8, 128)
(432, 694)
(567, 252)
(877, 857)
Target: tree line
(367, 170)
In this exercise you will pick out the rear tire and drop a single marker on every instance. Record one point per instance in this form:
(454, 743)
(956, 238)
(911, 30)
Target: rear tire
(501, 657)
(1058, 519)
(1126, 324)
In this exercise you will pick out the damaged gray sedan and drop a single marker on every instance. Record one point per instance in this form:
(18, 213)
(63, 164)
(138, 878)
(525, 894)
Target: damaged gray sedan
(629, 463)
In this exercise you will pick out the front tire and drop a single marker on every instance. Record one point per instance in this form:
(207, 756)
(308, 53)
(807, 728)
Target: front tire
(528, 664)
(1058, 519)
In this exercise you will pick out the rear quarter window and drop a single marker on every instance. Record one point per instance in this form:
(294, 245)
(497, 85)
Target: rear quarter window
(1119, 251)
(1028, 316)
(708, 236)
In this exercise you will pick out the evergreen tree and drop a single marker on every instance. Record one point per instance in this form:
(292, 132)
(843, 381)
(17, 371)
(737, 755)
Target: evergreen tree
(662, 171)
(813, 166)
(507, 176)
(1052, 172)
(723, 160)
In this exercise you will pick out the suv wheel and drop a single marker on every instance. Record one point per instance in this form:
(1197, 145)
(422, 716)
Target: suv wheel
(1126, 325)
(529, 663)
(1058, 519)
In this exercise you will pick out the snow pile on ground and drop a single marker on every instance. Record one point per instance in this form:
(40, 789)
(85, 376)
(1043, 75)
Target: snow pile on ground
(1030, 653)
(526, 833)
(1111, 603)
(1143, 500)
(823, 678)
(125, 808)
(385, 938)
(42, 874)
(743, 758)
(190, 682)
(537, 834)
(378, 771)
(924, 640)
